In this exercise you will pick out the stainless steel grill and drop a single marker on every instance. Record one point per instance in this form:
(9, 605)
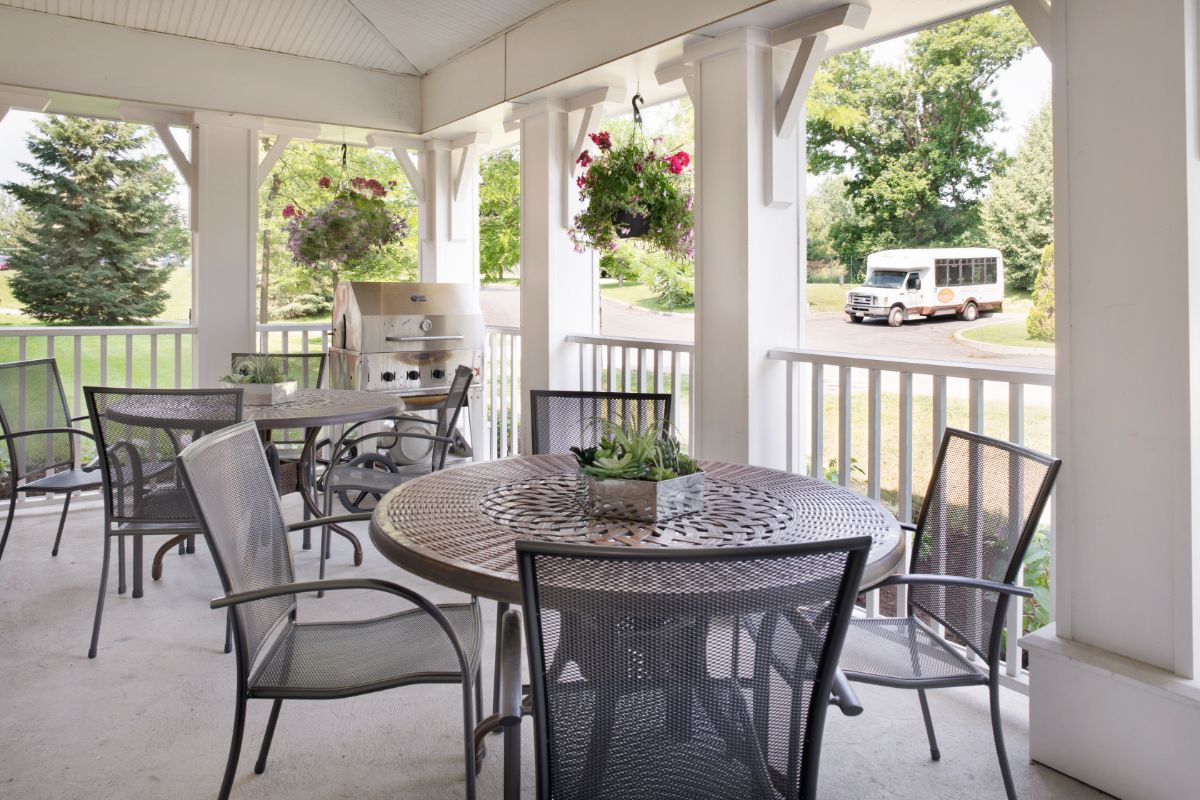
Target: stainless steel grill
(403, 338)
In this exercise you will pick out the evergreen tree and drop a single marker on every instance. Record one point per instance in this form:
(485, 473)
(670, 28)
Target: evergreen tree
(1018, 215)
(100, 217)
(1040, 322)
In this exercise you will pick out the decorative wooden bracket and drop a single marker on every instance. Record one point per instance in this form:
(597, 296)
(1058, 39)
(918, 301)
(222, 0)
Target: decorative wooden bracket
(400, 147)
(585, 112)
(810, 32)
(1036, 16)
(467, 149)
(29, 100)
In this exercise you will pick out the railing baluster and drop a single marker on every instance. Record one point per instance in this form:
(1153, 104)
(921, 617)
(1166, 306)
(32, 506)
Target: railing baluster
(153, 361)
(905, 499)
(789, 421)
(77, 371)
(642, 385)
(503, 400)
(658, 372)
(844, 424)
(128, 360)
(178, 361)
(1016, 605)
(874, 432)
(817, 444)
(104, 361)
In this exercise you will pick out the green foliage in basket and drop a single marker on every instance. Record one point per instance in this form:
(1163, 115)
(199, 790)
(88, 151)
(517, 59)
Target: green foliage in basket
(256, 369)
(644, 456)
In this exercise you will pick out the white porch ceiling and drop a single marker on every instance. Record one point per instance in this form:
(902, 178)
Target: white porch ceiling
(406, 37)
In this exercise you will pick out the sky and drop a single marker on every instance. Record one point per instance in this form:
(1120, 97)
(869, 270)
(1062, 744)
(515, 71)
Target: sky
(1022, 90)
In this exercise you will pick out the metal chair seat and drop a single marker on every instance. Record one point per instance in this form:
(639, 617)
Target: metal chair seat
(342, 659)
(343, 478)
(891, 651)
(70, 480)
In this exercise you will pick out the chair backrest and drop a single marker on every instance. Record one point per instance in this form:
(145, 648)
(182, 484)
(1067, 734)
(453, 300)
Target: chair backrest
(448, 414)
(981, 510)
(32, 398)
(139, 432)
(562, 420)
(306, 369)
(233, 496)
(682, 673)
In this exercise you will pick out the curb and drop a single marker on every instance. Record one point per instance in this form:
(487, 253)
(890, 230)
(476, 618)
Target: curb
(641, 310)
(1001, 349)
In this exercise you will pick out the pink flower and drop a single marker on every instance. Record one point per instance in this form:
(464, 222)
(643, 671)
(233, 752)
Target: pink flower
(325, 182)
(602, 140)
(581, 181)
(683, 158)
(584, 159)
(289, 211)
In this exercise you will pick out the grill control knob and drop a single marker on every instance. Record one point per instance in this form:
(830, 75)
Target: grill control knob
(438, 374)
(413, 375)
(388, 376)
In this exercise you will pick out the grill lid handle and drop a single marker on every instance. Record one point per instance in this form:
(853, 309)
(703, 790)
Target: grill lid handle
(423, 338)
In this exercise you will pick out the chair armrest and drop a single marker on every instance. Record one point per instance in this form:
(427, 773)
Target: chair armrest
(315, 523)
(81, 417)
(410, 418)
(843, 695)
(43, 431)
(908, 526)
(510, 668)
(956, 580)
(327, 585)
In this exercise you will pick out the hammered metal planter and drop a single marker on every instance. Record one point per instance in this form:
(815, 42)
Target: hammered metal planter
(645, 501)
(264, 394)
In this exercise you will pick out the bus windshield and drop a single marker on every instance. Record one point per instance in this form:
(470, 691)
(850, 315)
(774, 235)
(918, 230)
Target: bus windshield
(886, 280)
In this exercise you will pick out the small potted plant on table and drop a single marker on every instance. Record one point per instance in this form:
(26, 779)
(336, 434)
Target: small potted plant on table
(262, 381)
(642, 476)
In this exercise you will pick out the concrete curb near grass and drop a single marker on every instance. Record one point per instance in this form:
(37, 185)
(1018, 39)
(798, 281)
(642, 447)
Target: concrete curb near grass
(644, 310)
(1001, 349)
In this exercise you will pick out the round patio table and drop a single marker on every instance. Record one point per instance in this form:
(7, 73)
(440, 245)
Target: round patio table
(310, 409)
(459, 527)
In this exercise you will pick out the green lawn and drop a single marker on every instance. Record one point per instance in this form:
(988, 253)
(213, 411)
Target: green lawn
(1012, 334)
(638, 294)
(826, 296)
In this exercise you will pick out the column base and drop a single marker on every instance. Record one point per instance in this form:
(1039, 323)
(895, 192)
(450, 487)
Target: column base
(1125, 727)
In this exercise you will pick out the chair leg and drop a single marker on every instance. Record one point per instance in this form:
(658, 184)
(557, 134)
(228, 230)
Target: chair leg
(121, 565)
(501, 610)
(229, 631)
(182, 548)
(998, 733)
(62, 520)
(100, 598)
(934, 752)
(512, 761)
(479, 695)
(261, 765)
(191, 544)
(469, 734)
(137, 567)
(12, 508)
(235, 746)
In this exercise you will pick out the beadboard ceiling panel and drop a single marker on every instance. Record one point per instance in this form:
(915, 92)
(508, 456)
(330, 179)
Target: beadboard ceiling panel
(327, 30)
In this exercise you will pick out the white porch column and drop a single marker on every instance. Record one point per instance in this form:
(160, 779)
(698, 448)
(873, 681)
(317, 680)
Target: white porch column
(750, 246)
(559, 287)
(1114, 700)
(448, 213)
(225, 159)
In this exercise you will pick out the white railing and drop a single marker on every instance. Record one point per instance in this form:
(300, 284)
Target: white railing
(140, 356)
(502, 390)
(852, 388)
(609, 363)
(293, 337)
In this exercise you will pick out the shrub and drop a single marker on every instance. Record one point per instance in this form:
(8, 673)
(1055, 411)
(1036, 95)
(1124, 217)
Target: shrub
(673, 283)
(620, 264)
(1040, 323)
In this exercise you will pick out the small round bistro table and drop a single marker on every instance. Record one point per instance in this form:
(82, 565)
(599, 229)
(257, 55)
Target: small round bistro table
(310, 409)
(459, 527)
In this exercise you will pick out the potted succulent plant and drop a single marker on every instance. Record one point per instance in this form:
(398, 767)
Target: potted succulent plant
(642, 476)
(262, 381)
(633, 191)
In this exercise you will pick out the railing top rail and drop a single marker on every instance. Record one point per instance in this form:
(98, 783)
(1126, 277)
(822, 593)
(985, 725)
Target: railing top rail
(950, 369)
(515, 330)
(292, 326)
(93, 330)
(674, 345)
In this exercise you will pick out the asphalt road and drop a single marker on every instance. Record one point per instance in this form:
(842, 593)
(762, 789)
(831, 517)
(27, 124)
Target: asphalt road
(827, 330)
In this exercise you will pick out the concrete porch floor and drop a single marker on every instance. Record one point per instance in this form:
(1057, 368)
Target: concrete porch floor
(150, 716)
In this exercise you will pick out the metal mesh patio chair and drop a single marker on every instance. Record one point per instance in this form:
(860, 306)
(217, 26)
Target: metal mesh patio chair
(280, 658)
(361, 480)
(139, 433)
(645, 680)
(38, 432)
(982, 508)
(562, 420)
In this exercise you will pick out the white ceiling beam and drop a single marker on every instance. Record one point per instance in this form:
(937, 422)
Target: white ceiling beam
(293, 130)
(799, 79)
(596, 97)
(29, 101)
(151, 115)
(1036, 16)
(851, 14)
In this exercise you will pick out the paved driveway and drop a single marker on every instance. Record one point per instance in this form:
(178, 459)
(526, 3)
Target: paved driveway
(827, 330)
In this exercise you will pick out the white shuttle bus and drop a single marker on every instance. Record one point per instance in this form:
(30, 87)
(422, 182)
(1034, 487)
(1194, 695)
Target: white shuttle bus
(961, 280)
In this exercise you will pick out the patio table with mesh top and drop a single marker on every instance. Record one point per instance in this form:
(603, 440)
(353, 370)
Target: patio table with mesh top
(459, 527)
(311, 409)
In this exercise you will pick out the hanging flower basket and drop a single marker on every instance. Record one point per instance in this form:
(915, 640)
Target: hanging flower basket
(633, 191)
(348, 228)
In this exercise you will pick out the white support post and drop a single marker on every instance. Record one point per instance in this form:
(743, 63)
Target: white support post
(448, 208)
(559, 287)
(225, 203)
(1113, 692)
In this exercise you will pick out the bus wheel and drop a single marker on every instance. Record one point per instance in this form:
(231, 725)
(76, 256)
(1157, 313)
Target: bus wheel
(970, 313)
(896, 317)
